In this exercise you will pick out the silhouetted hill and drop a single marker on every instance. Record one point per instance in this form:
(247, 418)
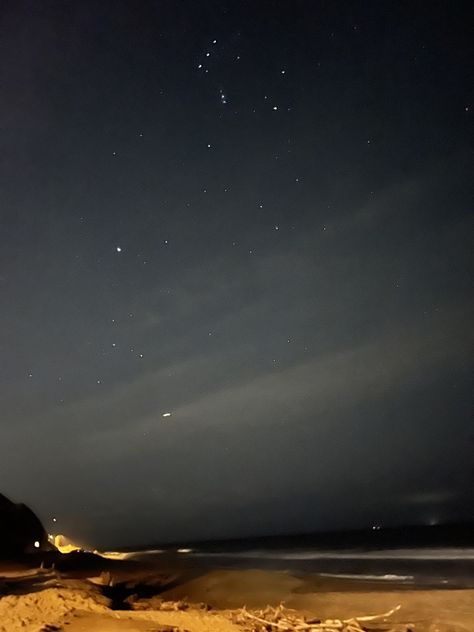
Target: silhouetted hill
(21, 530)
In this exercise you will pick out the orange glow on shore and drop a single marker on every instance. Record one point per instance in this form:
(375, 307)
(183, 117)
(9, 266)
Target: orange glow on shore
(63, 544)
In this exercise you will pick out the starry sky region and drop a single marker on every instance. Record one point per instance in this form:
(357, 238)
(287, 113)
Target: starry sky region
(235, 266)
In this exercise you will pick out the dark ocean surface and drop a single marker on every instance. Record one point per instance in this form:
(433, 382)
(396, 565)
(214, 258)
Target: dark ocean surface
(411, 557)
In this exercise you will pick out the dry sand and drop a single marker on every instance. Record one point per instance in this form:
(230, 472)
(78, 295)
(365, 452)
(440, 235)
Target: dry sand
(45, 602)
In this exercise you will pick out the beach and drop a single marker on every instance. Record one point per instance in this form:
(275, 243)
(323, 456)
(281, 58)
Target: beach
(87, 593)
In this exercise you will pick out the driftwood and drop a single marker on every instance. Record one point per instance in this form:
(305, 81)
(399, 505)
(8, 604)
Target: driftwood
(274, 619)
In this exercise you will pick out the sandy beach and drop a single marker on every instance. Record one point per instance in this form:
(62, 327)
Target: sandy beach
(88, 594)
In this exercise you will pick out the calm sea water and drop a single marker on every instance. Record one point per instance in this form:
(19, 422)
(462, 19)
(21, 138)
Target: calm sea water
(416, 556)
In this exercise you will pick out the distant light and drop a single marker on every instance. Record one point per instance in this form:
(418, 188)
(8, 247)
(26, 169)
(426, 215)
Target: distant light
(118, 249)
(54, 519)
(37, 544)
(166, 414)
(185, 550)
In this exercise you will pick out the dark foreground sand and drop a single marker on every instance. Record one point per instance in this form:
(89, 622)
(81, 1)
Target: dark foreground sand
(77, 598)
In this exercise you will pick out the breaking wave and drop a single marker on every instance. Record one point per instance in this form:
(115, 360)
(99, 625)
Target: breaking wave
(451, 553)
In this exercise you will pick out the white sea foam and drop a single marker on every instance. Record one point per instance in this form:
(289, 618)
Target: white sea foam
(386, 578)
(451, 553)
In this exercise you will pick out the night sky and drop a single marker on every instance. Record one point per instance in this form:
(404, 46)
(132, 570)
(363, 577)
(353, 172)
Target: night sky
(235, 265)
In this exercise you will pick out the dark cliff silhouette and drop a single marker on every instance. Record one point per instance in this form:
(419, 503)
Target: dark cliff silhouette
(21, 530)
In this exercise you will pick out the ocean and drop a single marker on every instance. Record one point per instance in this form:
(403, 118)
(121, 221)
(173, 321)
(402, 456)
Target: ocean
(421, 557)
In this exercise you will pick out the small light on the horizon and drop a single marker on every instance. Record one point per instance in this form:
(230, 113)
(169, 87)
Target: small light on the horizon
(37, 544)
(166, 414)
(118, 249)
(185, 550)
(55, 520)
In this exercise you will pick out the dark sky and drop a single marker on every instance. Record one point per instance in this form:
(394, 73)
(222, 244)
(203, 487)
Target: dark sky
(255, 216)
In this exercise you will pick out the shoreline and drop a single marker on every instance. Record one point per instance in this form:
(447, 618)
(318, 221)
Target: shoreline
(85, 593)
